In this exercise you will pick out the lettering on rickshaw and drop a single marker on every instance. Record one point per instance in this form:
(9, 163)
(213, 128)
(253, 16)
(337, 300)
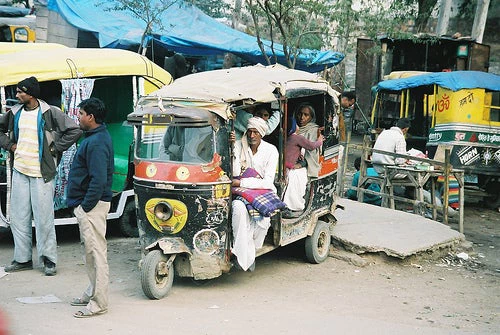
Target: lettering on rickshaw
(467, 99)
(444, 103)
(468, 155)
(435, 137)
(325, 191)
(214, 218)
(459, 136)
(489, 138)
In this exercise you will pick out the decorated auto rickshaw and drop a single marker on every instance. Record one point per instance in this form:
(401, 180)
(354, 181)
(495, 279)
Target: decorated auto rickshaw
(457, 110)
(184, 198)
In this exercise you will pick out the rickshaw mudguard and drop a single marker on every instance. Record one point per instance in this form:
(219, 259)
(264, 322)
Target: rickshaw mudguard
(190, 264)
(325, 215)
(170, 245)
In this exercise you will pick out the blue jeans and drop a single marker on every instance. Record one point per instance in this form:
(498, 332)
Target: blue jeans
(32, 199)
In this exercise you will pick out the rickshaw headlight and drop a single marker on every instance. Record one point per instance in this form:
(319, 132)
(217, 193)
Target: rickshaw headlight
(163, 211)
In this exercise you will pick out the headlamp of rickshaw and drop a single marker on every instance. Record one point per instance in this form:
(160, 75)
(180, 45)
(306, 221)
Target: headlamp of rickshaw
(163, 211)
(168, 216)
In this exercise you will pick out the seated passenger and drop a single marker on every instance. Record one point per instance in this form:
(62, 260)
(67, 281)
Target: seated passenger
(367, 198)
(255, 160)
(305, 117)
(296, 172)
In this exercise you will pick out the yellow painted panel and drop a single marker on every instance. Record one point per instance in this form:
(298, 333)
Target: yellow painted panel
(463, 106)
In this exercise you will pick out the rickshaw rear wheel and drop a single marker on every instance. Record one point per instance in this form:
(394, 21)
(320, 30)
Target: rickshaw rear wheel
(318, 244)
(128, 220)
(156, 277)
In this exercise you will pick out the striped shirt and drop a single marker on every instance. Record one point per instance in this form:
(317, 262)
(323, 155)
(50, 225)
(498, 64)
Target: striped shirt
(26, 156)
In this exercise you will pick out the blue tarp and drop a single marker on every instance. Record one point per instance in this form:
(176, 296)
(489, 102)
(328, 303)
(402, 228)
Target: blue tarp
(186, 29)
(454, 81)
(8, 11)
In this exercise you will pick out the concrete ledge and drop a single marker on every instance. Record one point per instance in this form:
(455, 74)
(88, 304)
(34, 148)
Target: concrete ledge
(365, 228)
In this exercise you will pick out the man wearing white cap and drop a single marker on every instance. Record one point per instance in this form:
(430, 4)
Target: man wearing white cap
(251, 152)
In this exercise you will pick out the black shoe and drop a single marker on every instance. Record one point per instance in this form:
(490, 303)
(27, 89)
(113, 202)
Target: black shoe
(50, 268)
(16, 266)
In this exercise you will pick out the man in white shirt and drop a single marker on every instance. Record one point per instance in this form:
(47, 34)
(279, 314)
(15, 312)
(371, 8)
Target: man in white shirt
(391, 140)
(252, 152)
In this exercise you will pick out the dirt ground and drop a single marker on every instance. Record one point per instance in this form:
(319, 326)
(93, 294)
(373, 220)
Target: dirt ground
(285, 295)
(426, 294)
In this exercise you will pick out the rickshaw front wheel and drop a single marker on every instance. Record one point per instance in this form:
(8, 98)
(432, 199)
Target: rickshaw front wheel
(157, 276)
(318, 244)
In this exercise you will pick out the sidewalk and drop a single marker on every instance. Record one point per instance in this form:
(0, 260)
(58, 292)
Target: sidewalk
(365, 228)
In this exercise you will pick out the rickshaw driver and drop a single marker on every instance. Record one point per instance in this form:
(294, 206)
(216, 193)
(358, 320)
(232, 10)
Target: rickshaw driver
(251, 152)
(172, 144)
(188, 145)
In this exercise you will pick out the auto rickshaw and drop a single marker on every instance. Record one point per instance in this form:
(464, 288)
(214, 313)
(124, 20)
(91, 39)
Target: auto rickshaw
(66, 76)
(457, 110)
(184, 202)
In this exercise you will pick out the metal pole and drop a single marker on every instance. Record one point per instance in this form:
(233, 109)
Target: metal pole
(462, 200)
(446, 197)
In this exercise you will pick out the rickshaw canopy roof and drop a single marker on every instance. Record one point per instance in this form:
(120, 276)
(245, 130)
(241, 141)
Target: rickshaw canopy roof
(9, 47)
(71, 63)
(217, 90)
(454, 81)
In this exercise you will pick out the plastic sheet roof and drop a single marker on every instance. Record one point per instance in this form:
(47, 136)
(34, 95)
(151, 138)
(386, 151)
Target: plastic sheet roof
(186, 29)
(454, 81)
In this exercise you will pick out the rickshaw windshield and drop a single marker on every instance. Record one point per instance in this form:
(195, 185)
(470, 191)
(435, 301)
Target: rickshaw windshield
(186, 144)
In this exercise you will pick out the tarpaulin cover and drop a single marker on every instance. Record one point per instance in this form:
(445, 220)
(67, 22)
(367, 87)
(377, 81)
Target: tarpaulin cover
(454, 81)
(186, 29)
(8, 11)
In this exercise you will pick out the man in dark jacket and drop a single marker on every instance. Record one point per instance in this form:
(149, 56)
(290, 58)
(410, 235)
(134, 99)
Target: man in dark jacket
(89, 192)
(37, 136)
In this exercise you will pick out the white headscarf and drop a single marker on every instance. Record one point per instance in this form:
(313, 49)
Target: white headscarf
(259, 124)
